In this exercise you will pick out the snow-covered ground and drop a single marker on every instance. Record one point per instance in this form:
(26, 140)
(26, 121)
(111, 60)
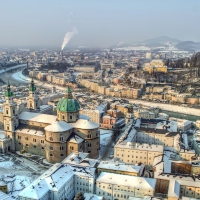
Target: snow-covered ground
(20, 77)
(18, 173)
(169, 107)
(105, 136)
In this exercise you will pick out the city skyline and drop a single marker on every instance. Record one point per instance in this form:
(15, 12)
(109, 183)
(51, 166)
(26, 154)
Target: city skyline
(98, 24)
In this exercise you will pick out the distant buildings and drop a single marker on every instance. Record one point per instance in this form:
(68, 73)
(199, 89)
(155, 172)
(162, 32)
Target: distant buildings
(155, 66)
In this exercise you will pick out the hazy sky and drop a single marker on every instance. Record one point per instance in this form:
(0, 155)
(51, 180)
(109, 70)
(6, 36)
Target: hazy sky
(99, 22)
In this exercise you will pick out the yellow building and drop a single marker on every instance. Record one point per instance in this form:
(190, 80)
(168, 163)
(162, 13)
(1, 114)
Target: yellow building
(132, 153)
(197, 123)
(3, 187)
(118, 186)
(145, 114)
(155, 66)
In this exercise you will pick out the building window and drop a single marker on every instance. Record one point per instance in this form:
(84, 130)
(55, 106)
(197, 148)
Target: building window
(7, 127)
(42, 148)
(61, 155)
(89, 145)
(19, 137)
(70, 117)
(34, 146)
(34, 140)
(26, 138)
(61, 138)
(61, 148)
(63, 117)
(51, 139)
(51, 148)
(89, 136)
(19, 143)
(13, 112)
(51, 154)
(42, 141)
(71, 148)
(26, 145)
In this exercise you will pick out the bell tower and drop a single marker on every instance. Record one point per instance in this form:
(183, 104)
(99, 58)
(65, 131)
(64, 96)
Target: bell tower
(10, 116)
(129, 115)
(32, 100)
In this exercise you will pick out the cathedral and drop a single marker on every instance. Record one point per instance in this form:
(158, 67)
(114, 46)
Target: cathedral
(53, 137)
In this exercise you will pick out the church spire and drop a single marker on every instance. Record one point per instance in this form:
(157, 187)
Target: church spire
(8, 92)
(32, 86)
(68, 93)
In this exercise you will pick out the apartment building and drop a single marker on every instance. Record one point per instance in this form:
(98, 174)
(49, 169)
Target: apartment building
(143, 113)
(136, 153)
(94, 114)
(117, 186)
(183, 125)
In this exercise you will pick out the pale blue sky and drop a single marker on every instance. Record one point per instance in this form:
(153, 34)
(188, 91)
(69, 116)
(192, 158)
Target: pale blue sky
(99, 22)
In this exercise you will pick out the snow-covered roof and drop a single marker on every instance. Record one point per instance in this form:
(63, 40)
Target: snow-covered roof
(126, 180)
(76, 139)
(80, 159)
(119, 166)
(89, 196)
(30, 131)
(54, 179)
(85, 124)
(144, 147)
(2, 183)
(58, 126)
(37, 117)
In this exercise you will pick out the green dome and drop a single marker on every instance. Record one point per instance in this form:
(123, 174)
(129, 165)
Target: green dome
(67, 103)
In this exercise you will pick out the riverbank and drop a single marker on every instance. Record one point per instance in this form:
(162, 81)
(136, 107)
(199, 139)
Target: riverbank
(169, 107)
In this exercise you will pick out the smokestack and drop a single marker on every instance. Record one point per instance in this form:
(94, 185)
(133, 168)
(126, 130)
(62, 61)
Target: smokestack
(61, 53)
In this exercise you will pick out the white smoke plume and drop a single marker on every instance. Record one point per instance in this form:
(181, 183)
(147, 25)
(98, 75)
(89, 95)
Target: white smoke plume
(68, 36)
(120, 43)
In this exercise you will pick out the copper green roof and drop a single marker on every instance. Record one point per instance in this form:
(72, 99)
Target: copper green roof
(32, 86)
(67, 103)
(8, 93)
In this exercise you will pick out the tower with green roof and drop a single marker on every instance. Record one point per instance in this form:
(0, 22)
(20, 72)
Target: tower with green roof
(68, 107)
(32, 100)
(10, 117)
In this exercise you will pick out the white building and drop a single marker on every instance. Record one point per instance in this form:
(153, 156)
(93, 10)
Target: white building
(60, 182)
(117, 186)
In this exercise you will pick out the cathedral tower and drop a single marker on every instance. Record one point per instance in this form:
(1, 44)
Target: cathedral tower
(10, 116)
(33, 100)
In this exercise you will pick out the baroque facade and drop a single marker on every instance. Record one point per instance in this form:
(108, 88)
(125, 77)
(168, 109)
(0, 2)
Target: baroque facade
(51, 136)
